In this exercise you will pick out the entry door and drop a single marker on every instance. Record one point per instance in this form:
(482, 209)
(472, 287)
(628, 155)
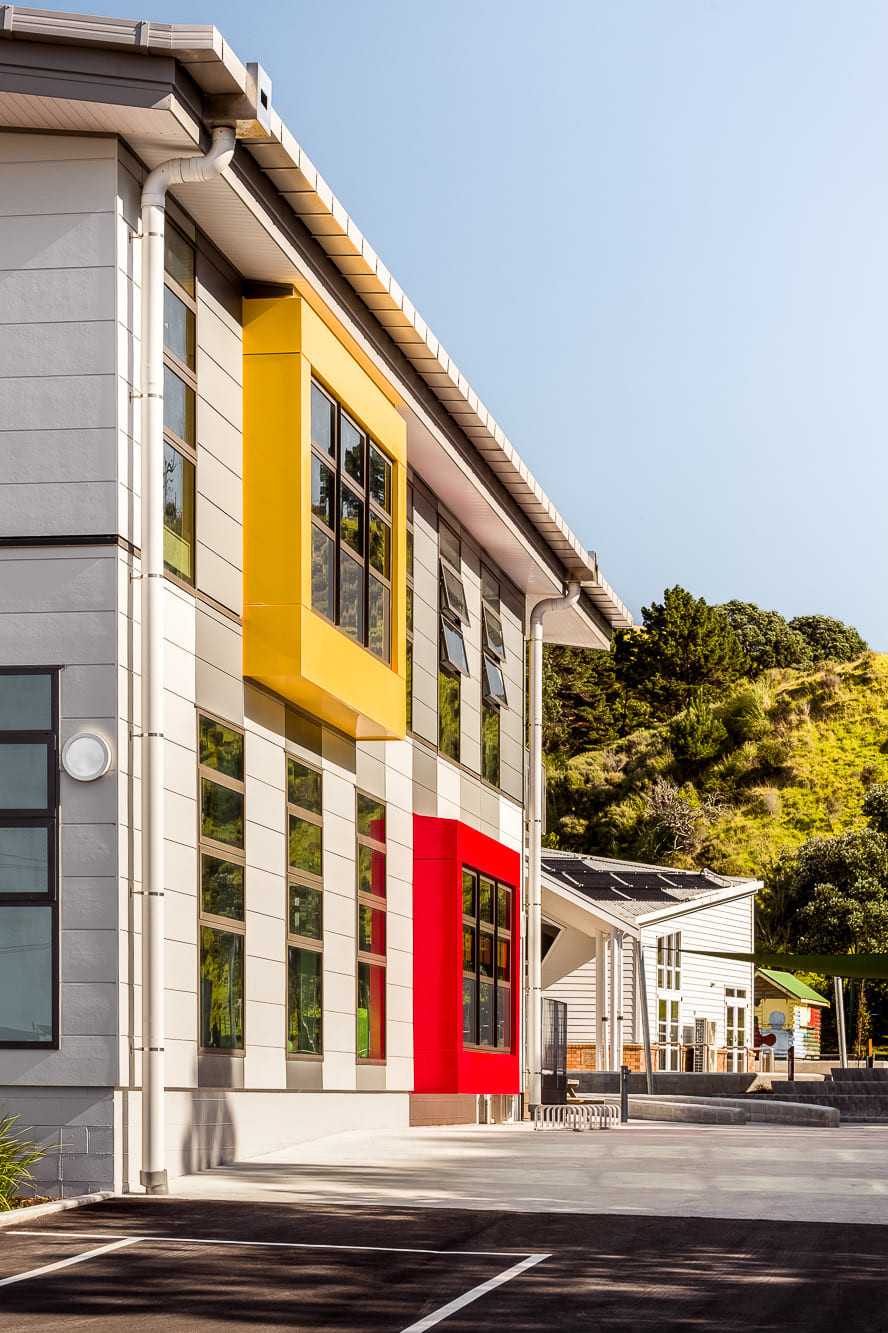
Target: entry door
(668, 1051)
(735, 1029)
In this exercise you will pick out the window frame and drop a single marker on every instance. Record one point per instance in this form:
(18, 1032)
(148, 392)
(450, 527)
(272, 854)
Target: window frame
(473, 922)
(292, 876)
(450, 671)
(188, 376)
(410, 605)
(40, 817)
(221, 851)
(376, 903)
(342, 479)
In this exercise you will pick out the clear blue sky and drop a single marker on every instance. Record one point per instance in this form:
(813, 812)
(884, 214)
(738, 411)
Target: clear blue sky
(654, 237)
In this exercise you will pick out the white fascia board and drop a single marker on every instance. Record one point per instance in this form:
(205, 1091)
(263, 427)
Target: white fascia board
(744, 890)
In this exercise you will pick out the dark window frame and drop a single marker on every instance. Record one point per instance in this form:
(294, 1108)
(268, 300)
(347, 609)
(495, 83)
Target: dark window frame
(342, 479)
(450, 670)
(410, 595)
(220, 851)
(44, 817)
(305, 878)
(376, 903)
(188, 375)
(472, 921)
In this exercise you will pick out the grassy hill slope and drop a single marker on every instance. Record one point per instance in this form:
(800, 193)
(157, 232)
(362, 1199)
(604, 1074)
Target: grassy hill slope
(799, 754)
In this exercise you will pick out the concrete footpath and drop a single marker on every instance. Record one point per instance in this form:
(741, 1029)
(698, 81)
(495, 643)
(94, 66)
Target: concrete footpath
(753, 1171)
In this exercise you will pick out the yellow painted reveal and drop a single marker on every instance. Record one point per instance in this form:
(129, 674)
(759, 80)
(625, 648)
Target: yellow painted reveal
(287, 646)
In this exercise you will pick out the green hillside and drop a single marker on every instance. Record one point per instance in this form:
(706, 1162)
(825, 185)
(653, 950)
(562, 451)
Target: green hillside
(791, 757)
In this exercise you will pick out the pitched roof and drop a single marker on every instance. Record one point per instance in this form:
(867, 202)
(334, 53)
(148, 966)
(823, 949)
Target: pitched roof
(785, 981)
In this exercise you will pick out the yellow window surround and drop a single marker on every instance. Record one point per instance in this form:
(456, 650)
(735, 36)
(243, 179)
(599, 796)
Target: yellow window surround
(287, 646)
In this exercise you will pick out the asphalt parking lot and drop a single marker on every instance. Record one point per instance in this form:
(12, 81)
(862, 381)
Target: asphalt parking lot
(188, 1264)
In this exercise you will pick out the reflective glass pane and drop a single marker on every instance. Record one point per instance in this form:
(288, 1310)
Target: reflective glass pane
(371, 871)
(352, 446)
(494, 685)
(323, 492)
(485, 954)
(468, 949)
(305, 911)
(453, 648)
(380, 545)
(448, 715)
(448, 543)
(221, 989)
(178, 327)
(178, 406)
(304, 1001)
(490, 744)
(469, 1009)
(24, 777)
(371, 817)
(409, 609)
(486, 900)
(24, 860)
(453, 597)
(323, 552)
(178, 514)
(178, 259)
(487, 1030)
(351, 596)
(26, 974)
(371, 929)
(303, 786)
(410, 553)
(503, 907)
(371, 1012)
(504, 1017)
(469, 883)
(221, 748)
(221, 813)
(503, 960)
(322, 421)
(379, 634)
(380, 480)
(490, 589)
(305, 845)
(351, 520)
(493, 634)
(25, 702)
(221, 888)
(409, 684)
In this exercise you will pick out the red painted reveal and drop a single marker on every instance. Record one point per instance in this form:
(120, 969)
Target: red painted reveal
(441, 847)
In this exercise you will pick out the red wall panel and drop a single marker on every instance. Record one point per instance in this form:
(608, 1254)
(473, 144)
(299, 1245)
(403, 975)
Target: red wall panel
(441, 847)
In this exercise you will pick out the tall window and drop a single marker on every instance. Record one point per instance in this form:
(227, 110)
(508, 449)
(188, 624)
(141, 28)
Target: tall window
(735, 1029)
(371, 928)
(410, 608)
(493, 688)
(487, 961)
(222, 916)
(453, 662)
(179, 405)
(351, 527)
(669, 1004)
(28, 858)
(305, 913)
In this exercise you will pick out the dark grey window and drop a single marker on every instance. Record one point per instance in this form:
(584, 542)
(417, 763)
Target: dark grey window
(453, 661)
(487, 961)
(351, 527)
(222, 884)
(29, 782)
(179, 405)
(305, 909)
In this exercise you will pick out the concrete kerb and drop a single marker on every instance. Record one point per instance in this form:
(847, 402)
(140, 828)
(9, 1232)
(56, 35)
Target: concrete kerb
(731, 1111)
(16, 1216)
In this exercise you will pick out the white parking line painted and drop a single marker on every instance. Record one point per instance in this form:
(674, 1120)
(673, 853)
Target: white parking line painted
(445, 1311)
(66, 1263)
(290, 1245)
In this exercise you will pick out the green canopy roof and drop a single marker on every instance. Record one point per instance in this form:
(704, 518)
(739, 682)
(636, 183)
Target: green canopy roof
(787, 982)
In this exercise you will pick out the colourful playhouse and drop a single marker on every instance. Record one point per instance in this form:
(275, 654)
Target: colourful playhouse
(787, 1013)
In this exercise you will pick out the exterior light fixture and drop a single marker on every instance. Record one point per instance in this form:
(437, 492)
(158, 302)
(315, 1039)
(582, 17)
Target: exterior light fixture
(86, 756)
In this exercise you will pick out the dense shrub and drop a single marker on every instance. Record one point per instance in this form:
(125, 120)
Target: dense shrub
(17, 1155)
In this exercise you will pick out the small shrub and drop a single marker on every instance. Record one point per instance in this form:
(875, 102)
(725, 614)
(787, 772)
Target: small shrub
(875, 807)
(17, 1155)
(770, 755)
(745, 716)
(698, 734)
(769, 800)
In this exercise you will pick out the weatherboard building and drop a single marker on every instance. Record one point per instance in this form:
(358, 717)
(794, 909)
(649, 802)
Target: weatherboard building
(268, 569)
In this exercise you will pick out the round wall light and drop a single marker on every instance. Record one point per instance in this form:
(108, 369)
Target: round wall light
(86, 756)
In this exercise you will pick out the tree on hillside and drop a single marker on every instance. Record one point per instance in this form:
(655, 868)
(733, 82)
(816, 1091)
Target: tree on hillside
(828, 639)
(875, 808)
(766, 638)
(685, 649)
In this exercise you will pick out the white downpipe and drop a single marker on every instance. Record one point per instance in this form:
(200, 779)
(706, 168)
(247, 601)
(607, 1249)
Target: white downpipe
(616, 943)
(175, 172)
(602, 1047)
(534, 1011)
